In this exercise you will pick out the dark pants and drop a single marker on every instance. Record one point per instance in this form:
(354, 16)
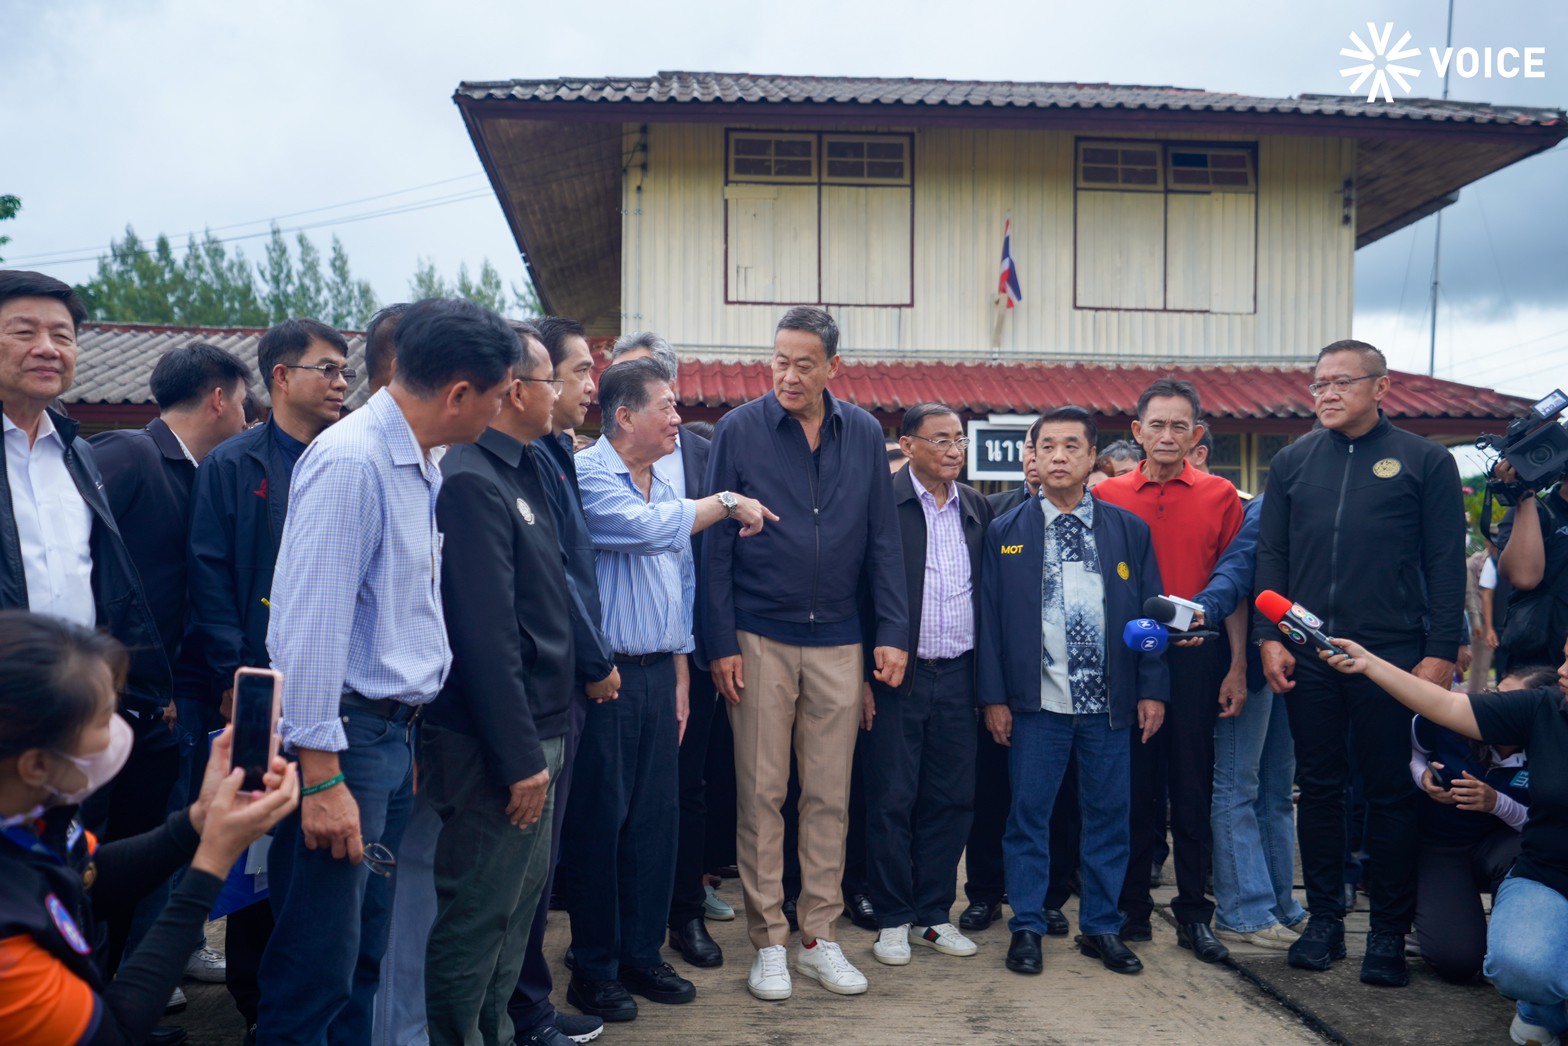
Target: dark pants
(1449, 923)
(530, 1004)
(322, 966)
(245, 936)
(986, 882)
(489, 876)
(618, 854)
(1187, 737)
(719, 848)
(691, 844)
(1323, 705)
(920, 792)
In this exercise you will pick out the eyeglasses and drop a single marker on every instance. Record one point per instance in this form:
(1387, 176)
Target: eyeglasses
(1318, 388)
(330, 371)
(555, 383)
(944, 445)
(379, 859)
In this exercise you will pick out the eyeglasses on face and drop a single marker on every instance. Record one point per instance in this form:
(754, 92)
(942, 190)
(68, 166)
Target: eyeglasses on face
(556, 384)
(1318, 388)
(944, 445)
(330, 371)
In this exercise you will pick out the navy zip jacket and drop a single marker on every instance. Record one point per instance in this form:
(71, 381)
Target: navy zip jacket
(1008, 647)
(806, 568)
(558, 470)
(1231, 585)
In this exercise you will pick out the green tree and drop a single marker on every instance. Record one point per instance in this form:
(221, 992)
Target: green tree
(9, 205)
(278, 278)
(217, 289)
(351, 302)
(427, 282)
(488, 290)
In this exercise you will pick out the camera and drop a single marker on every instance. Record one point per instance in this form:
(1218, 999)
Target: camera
(1534, 445)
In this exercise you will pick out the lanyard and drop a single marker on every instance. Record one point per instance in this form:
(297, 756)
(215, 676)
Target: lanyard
(31, 843)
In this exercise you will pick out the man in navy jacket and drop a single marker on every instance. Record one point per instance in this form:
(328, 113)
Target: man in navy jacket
(1061, 576)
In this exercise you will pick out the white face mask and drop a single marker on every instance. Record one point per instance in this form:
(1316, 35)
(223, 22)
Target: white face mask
(100, 767)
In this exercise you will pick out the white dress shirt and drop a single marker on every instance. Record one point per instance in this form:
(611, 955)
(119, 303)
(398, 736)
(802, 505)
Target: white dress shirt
(53, 525)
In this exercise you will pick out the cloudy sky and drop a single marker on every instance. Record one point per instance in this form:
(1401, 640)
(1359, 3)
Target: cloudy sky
(180, 115)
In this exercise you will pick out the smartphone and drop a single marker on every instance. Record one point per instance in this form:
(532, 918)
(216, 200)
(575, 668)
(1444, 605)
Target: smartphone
(258, 700)
(1440, 776)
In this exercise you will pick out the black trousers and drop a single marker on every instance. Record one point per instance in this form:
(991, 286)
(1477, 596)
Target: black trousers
(1187, 738)
(691, 844)
(985, 880)
(1449, 923)
(920, 792)
(1323, 706)
(719, 830)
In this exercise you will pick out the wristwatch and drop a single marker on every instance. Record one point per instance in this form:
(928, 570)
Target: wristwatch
(729, 501)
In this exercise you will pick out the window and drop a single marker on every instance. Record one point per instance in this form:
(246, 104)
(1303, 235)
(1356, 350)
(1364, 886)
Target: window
(819, 218)
(1225, 458)
(1165, 226)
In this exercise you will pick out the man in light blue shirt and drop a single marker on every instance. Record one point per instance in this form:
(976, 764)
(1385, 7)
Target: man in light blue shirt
(357, 631)
(618, 850)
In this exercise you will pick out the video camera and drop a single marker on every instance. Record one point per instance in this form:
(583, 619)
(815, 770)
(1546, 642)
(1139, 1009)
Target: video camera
(1535, 446)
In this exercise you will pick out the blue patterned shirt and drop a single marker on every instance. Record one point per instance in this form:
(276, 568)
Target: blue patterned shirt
(356, 595)
(647, 579)
(1072, 613)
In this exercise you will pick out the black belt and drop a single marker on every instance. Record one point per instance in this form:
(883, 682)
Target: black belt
(396, 711)
(944, 662)
(643, 660)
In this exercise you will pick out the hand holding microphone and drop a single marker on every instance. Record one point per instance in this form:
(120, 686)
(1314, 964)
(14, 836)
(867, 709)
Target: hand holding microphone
(1297, 623)
(1177, 615)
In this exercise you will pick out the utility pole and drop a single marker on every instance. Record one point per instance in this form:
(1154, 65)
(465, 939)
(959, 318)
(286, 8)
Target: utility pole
(1437, 241)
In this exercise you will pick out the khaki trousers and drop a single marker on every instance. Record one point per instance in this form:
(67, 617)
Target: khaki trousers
(809, 696)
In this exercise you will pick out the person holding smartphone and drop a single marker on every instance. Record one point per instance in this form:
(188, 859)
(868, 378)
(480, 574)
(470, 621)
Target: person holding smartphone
(1527, 941)
(60, 741)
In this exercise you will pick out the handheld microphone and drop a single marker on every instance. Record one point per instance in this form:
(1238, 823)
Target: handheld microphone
(1300, 625)
(1177, 614)
(1145, 635)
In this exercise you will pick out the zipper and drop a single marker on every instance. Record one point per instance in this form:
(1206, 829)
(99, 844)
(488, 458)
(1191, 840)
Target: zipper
(1333, 557)
(814, 480)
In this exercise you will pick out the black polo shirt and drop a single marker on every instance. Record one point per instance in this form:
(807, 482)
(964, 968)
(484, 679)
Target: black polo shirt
(1538, 720)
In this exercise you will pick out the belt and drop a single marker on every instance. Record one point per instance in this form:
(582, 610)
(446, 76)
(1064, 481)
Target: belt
(643, 660)
(396, 711)
(944, 662)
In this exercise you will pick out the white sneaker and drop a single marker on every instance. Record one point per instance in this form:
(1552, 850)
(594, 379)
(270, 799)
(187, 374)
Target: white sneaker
(824, 963)
(1526, 1034)
(1273, 936)
(176, 1002)
(770, 973)
(945, 938)
(892, 947)
(716, 907)
(207, 965)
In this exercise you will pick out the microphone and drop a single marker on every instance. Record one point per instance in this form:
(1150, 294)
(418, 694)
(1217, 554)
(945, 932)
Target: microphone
(1145, 635)
(1177, 614)
(1300, 625)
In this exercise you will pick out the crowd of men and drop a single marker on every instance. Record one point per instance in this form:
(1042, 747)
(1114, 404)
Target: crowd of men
(504, 660)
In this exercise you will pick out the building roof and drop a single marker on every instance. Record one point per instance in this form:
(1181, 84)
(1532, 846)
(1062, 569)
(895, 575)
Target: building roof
(698, 88)
(115, 360)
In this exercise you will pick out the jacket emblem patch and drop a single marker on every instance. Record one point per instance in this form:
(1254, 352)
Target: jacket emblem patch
(1388, 468)
(526, 512)
(261, 491)
(67, 926)
(1122, 571)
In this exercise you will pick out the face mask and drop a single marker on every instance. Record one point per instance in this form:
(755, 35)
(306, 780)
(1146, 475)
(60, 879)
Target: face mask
(100, 767)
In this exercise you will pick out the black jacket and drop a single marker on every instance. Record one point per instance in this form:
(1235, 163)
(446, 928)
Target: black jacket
(238, 505)
(559, 471)
(508, 614)
(805, 568)
(977, 515)
(117, 589)
(1368, 534)
(1005, 501)
(695, 451)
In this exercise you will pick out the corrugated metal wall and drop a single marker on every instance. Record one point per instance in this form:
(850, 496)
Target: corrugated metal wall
(674, 261)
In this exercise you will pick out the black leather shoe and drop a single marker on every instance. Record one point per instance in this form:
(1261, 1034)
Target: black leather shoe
(1321, 943)
(1055, 922)
(789, 914)
(569, 960)
(1023, 955)
(1200, 940)
(695, 945)
(607, 1000)
(1384, 963)
(861, 913)
(659, 984)
(1136, 931)
(1112, 953)
(979, 915)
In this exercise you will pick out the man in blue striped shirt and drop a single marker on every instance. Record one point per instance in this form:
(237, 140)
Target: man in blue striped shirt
(618, 850)
(357, 631)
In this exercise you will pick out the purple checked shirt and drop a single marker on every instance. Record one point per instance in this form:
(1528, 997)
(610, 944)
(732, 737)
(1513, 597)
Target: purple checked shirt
(947, 610)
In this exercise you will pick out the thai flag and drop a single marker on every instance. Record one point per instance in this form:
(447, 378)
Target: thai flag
(1007, 286)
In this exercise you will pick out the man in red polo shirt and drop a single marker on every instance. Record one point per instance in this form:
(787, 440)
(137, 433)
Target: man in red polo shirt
(1193, 516)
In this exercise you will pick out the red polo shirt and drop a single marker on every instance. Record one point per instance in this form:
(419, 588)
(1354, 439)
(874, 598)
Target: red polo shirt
(1193, 517)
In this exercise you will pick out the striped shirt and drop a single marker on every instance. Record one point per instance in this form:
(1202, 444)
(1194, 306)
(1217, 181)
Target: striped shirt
(356, 594)
(947, 609)
(643, 560)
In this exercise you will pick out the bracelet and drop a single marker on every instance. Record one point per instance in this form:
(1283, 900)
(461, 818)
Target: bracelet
(322, 786)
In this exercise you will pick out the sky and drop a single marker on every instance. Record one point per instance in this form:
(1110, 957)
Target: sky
(182, 115)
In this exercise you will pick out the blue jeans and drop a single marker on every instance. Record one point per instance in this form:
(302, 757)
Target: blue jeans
(400, 1003)
(1253, 818)
(1527, 950)
(1041, 744)
(320, 971)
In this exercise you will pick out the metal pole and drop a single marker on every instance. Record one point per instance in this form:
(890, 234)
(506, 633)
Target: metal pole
(1437, 241)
